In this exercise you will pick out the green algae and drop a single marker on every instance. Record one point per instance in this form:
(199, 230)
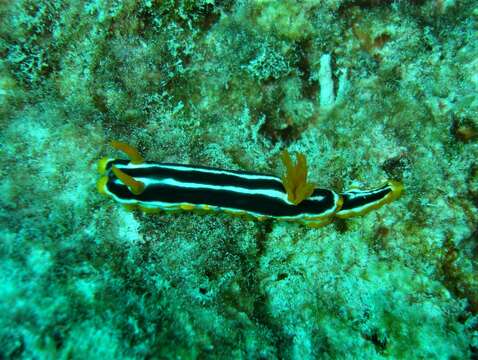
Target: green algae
(231, 84)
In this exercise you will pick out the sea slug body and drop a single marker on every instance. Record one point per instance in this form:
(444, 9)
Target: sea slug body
(154, 186)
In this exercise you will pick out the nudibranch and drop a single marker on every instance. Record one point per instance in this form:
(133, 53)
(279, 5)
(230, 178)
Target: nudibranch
(155, 186)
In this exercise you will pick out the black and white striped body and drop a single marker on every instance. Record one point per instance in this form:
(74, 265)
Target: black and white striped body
(186, 187)
(358, 202)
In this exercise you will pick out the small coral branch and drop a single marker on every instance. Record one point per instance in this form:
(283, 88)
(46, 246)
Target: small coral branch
(327, 98)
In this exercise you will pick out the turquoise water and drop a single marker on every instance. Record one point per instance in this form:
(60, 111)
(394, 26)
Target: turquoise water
(367, 90)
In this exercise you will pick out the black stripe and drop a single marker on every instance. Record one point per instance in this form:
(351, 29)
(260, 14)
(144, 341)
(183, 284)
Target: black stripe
(259, 204)
(193, 175)
(359, 201)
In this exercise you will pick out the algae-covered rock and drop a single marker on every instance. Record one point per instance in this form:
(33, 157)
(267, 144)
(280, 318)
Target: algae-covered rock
(368, 90)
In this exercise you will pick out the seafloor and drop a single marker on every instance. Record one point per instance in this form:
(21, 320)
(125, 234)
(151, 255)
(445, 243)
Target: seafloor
(367, 89)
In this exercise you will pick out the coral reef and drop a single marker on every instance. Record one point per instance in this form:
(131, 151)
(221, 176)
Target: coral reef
(367, 89)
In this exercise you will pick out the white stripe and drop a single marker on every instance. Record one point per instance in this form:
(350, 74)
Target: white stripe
(281, 196)
(188, 185)
(353, 194)
(316, 198)
(186, 168)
